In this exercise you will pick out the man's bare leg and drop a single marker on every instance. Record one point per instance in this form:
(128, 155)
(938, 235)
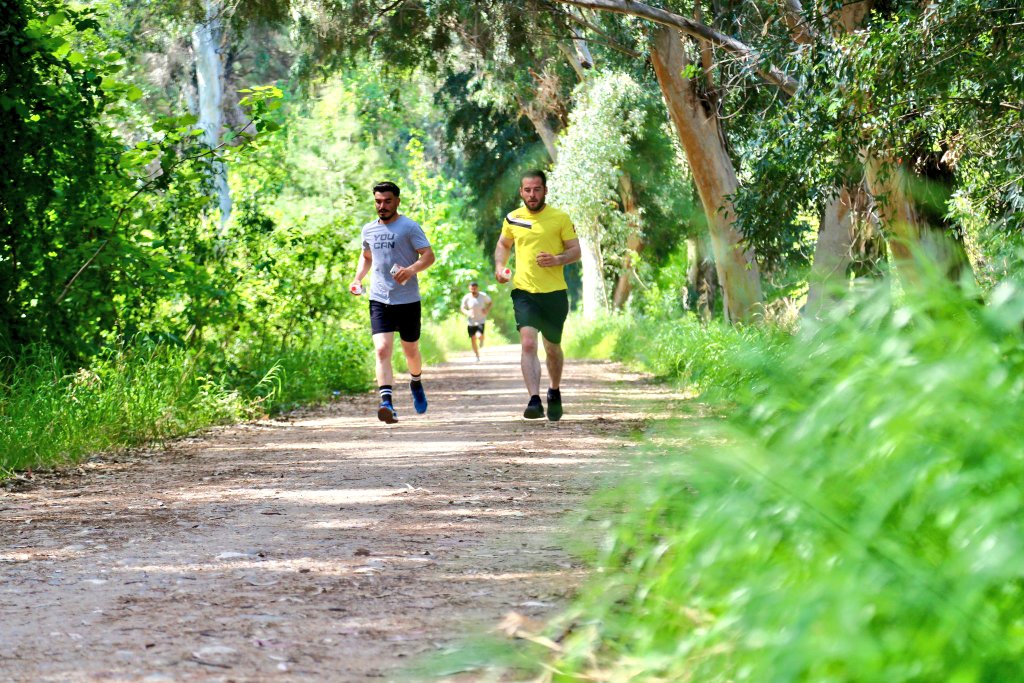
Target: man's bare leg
(555, 360)
(384, 345)
(476, 349)
(529, 361)
(412, 357)
(531, 372)
(415, 363)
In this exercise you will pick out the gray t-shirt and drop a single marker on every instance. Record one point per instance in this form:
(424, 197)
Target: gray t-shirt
(394, 243)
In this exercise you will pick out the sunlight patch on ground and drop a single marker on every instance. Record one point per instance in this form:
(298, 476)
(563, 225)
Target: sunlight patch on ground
(312, 497)
(264, 568)
(514, 576)
(463, 511)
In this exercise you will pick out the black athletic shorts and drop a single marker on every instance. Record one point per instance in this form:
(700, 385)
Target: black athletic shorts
(544, 312)
(401, 318)
(473, 329)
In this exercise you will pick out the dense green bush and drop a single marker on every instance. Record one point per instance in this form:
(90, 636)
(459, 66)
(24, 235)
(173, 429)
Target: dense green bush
(858, 517)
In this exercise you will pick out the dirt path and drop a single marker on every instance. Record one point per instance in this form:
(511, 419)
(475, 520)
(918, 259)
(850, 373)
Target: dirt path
(325, 547)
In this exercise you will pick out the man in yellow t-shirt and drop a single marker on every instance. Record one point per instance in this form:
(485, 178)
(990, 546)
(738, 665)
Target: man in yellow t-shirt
(545, 241)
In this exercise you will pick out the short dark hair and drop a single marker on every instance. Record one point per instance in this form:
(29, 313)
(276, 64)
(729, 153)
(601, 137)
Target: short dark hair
(387, 186)
(534, 173)
(473, 284)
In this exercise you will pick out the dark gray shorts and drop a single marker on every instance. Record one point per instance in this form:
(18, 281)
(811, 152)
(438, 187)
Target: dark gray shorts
(544, 312)
(401, 318)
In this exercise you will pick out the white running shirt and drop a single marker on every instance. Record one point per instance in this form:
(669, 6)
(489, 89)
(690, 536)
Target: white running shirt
(475, 306)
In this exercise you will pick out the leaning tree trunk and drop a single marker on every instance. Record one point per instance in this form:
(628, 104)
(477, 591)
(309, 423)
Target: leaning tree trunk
(206, 42)
(702, 140)
(917, 244)
(634, 243)
(595, 300)
(538, 117)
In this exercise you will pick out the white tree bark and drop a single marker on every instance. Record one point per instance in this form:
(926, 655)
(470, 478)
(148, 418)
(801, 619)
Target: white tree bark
(702, 140)
(832, 253)
(634, 243)
(888, 185)
(595, 300)
(701, 285)
(206, 43)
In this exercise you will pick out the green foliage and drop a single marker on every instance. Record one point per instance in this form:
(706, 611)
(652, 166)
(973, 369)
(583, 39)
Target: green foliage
(933, 89)
(60, 181)
(606, 118)
(615, 130)
(683, 349)
(857, 517)
(490, 150)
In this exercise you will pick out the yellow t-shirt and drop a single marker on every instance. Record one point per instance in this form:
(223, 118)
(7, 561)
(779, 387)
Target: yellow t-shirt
(532, 233)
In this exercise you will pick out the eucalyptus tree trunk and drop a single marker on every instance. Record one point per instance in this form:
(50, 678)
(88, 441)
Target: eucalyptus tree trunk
(634, 243)
(539, 118)
(206, 47)
(916, 243)
(595, 300)
(832, 252)
(702, 139)
(701, 281)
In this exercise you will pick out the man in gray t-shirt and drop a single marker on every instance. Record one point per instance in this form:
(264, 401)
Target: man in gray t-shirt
(396, 249)
(396, 243)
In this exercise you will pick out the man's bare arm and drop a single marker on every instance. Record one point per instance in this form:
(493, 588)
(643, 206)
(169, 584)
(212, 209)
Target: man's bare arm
(362, 268)
(425, 260)
(502, 253)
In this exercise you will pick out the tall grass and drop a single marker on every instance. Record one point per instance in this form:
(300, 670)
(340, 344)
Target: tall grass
(705, 357)
(51, 414)
(337, 359)
(859, 516)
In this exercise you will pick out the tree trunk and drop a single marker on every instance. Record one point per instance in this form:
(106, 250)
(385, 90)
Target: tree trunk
(206, 42)
(702, 140)
(917, 244)
(595, 301)
(540, 123)
(634, 243)
(832, 253)
(701, 283)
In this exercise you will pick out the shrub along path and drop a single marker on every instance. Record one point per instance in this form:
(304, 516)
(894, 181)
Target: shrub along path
(327, 545)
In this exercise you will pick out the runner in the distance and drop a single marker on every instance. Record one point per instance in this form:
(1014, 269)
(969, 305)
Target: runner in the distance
(545, 241)
(475, 306)
(396, 248)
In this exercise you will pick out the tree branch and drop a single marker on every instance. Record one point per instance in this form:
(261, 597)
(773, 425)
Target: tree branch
(694, 29)
(800, 29)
